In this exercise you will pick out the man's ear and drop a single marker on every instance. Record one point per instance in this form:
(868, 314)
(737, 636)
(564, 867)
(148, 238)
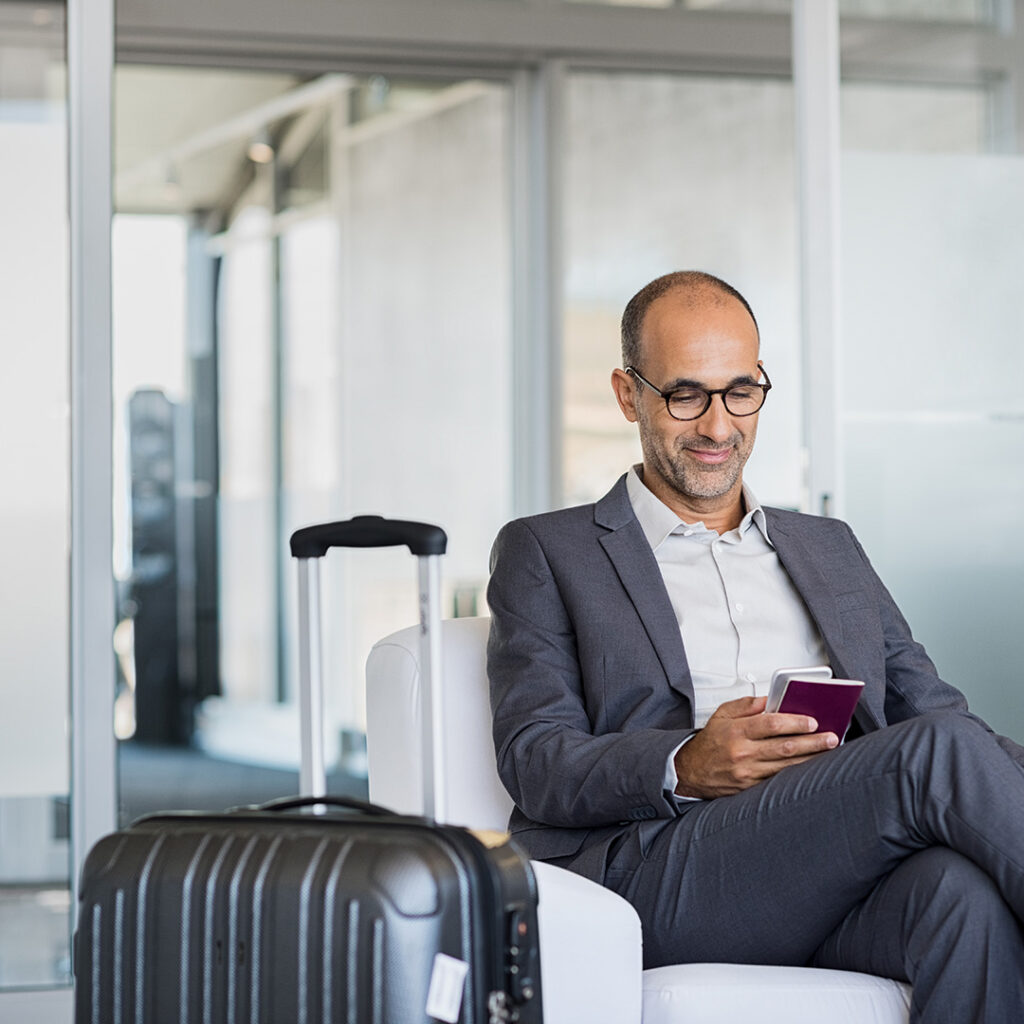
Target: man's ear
(625, 393)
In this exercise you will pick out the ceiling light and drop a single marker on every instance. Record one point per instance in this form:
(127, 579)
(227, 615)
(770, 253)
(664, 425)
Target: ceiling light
(261, 150)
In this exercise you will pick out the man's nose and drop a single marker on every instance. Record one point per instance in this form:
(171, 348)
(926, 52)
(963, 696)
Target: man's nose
(716, 423)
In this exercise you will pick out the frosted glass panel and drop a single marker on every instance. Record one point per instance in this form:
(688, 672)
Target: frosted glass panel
(935, 326)
(34, 502)
(933, 415)
(938, 507)
(34, 506)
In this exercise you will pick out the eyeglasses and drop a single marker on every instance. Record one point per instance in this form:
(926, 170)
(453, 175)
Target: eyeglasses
(691, 403)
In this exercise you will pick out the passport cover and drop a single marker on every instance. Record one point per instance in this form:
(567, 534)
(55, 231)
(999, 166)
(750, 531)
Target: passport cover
(830, 702)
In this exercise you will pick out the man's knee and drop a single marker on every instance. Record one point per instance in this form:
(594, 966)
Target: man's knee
(926, 738)
(947, 725)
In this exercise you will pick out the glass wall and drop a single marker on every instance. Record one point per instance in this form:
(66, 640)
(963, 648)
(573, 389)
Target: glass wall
(932, 420)
(706, 182)
(342, 257)
(34, 500)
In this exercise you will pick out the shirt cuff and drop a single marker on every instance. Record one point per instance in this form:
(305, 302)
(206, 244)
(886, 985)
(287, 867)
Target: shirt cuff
(670, 775)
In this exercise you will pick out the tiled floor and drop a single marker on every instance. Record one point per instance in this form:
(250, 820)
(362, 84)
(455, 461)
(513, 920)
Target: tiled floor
(34, 937)
(179, 778)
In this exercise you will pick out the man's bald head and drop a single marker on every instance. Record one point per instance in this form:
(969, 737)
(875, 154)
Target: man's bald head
(692, 286)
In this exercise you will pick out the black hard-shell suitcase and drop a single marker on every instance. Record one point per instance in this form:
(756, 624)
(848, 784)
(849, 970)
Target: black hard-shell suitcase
(315, 910)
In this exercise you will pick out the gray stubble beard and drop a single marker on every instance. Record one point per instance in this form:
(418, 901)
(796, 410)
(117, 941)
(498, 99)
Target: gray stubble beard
(687, 480)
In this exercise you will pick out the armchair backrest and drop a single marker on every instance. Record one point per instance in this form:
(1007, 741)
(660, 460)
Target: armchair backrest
(475, 795)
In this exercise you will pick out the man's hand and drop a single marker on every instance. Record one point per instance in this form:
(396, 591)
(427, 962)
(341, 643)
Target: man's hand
(739, 747)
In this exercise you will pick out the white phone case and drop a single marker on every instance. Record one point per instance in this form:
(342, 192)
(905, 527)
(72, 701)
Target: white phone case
(782, 676)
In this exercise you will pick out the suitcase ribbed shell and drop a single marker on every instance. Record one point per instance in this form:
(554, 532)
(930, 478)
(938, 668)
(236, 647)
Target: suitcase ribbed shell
(297, 919)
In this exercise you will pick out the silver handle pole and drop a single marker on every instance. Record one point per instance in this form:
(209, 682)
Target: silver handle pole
(434, 781)
(312, 776)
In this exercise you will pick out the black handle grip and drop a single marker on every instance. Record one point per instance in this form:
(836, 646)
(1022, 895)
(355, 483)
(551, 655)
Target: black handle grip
(291, 803)
(368, 532)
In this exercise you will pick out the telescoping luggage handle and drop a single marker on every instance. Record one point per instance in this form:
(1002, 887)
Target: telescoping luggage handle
(428, 543)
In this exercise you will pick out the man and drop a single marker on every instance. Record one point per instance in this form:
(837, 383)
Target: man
(631, 647)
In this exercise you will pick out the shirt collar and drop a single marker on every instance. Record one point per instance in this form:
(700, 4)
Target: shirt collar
(657, 520)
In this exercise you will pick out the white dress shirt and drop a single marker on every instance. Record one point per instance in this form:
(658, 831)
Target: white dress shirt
(739, 615)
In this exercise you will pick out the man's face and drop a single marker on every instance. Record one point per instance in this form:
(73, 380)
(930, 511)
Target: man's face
(711, 344)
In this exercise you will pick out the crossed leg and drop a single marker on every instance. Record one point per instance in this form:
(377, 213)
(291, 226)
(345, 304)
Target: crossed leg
(839, 861)
(934, 920)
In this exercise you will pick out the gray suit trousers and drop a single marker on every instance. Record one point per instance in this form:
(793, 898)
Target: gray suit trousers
(901, 853)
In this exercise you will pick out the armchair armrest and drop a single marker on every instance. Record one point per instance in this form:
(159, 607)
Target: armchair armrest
(591, 956)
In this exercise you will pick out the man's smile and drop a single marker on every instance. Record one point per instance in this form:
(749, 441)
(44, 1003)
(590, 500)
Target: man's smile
(710, 456)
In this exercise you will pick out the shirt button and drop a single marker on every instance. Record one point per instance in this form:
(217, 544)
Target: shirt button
(750, 677)
(739, 606)
(687, 533)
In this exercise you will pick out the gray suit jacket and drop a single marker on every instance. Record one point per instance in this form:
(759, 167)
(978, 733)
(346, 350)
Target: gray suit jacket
(590, 687)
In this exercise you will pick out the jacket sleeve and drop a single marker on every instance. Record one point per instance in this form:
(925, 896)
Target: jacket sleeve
(557, 769)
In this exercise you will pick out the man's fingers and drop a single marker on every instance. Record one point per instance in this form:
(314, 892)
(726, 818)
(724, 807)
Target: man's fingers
(793, 747)
(778, 724)
(782, 749)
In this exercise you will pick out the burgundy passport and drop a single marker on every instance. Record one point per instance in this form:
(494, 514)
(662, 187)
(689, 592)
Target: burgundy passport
(830, 702)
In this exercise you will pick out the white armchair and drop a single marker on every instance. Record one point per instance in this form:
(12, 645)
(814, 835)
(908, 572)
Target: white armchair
(590, 938)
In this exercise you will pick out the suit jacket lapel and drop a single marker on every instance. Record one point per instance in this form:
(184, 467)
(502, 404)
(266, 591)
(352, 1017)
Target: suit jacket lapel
(815, 589)
(637, 569)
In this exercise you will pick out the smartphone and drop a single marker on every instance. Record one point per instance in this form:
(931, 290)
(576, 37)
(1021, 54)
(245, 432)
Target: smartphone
(782, 676)
(830, 702)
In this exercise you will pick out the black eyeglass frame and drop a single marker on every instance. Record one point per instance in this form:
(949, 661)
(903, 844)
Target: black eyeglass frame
(709, 394)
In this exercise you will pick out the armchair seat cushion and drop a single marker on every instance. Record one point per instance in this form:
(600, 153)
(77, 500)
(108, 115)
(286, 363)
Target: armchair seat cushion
(727, 993)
